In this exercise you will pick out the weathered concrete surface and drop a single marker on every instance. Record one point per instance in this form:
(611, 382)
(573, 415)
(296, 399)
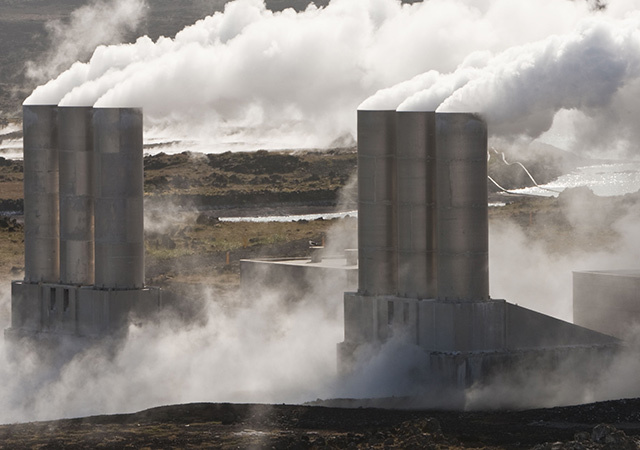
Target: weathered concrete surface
(607, 301)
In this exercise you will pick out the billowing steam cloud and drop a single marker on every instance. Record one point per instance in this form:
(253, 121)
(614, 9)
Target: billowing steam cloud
(100, 22)
(519, 91)
(297, 78)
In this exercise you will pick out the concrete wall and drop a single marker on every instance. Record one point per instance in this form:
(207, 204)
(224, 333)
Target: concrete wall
(462, 209)
(441, 302)
(607, 301)
(432, 325)
(78, 310)
(422, 205)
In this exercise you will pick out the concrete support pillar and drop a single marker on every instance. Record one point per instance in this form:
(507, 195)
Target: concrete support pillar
(377, 225)
(75, 144)
(462, 230)
(41, 204)
(118, 190)
(416, 204)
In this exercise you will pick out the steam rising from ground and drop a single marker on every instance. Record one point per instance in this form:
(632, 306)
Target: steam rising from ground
(296, 78)
(259, 350)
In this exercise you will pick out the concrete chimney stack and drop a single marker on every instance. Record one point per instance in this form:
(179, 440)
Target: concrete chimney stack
(462, 210)
(75, 138)
(377, 203)
(423, 211)
(84, 229)
(118, 189)
(416, 217)
(41, 203)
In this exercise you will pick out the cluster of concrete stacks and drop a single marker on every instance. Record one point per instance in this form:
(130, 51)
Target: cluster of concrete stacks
(423, 254)
(84, 229)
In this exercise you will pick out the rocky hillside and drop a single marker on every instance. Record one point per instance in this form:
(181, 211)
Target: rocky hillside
(226, 180)
(249, 178)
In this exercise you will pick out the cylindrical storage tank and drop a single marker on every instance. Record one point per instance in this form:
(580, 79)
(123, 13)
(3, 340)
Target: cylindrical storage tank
(377, 232)
(416, 165)
(462, 211)
(118, 195)
(75, 147)
(41, 203)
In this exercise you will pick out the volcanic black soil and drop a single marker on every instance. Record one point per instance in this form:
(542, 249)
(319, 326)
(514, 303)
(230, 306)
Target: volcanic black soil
(607, 425)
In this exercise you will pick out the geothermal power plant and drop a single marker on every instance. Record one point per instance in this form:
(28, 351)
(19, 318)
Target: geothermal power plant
(423, 257)
(84, 228)
(422, 274)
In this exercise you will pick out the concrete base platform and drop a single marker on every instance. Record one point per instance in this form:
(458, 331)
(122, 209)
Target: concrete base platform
(58, 309)
(455, 371)
(467, 342)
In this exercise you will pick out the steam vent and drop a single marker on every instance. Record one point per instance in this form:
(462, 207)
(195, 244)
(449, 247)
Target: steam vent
(423, 257)
(84, 243)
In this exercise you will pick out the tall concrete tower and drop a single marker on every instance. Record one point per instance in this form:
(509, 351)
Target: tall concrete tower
(462, 231)
(377, 206)
(416, 198)
(119, 189)
(84, 229)
(75, 151)
(423, 213)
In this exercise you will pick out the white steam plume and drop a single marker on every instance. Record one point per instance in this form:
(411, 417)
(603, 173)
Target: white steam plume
(252, 74)
(99, 22)
(594, 71)
(297, 75)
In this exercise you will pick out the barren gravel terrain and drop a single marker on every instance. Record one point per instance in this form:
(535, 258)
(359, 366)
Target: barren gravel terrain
(607, 425)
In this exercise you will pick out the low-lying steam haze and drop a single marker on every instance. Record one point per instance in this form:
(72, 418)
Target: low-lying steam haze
(296, 79)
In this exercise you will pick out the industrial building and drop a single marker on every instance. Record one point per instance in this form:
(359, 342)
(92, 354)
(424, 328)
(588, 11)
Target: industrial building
(84, 229)
(423, 257)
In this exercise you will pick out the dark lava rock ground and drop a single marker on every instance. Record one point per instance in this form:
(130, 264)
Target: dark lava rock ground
(605, 425)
